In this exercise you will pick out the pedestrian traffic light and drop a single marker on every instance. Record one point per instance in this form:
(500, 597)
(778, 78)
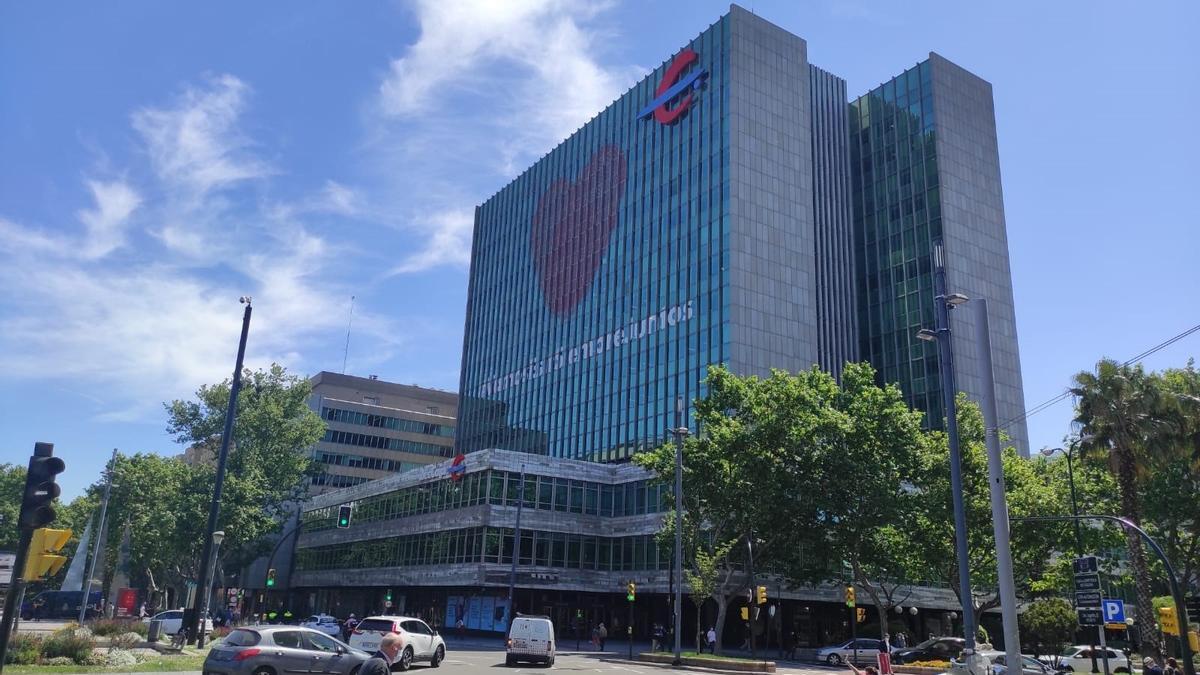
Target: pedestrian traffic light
(40, 488)
(388, 595)
(630, 591)
(762, 595)
(860, 614)
(43, 560)
(849, 596)
(271, 578)
(343, 516)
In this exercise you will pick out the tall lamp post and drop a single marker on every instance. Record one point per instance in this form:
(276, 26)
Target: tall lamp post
(516, 552)
(941, 335)
(214, 508)
(681, 433)
(217, 538)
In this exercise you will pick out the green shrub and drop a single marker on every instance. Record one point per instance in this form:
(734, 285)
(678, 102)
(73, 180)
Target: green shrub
(75, 644)
(23, 649)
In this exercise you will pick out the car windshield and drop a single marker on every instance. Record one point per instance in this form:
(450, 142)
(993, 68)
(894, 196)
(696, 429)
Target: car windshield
(1069, 651)
(928, 643)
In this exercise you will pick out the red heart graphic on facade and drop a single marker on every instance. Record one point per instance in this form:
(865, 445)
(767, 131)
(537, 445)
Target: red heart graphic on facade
(572, 225)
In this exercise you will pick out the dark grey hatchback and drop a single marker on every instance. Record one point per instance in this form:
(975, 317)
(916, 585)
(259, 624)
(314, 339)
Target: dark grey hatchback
(281, 650)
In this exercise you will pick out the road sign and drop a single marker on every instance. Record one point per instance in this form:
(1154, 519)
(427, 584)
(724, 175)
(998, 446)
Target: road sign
(1114, 610)
(7, 560)
(1087, 582)
(1087, 598)
(1090, 617)
(1088, 564)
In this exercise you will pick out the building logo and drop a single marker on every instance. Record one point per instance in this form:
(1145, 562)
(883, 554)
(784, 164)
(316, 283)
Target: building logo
(675, 81)
(571, 228)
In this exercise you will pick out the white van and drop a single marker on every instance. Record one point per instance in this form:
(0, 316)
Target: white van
(530, 638)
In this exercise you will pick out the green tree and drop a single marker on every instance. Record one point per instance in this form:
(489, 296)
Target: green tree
(931, 529)
(12, 491)
(1047, 626)
(866, 455)
(269, 463)
(1170, 489)
(1123, 415)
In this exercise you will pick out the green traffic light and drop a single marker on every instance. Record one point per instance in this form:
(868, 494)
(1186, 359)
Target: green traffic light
(629, 597)
(270, 583)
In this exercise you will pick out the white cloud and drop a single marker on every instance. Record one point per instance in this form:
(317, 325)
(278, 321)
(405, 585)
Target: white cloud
(195, 144)
(115, 202)
(135, 335)
(449, 242)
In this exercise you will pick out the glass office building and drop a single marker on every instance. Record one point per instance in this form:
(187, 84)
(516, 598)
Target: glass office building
(735, 207)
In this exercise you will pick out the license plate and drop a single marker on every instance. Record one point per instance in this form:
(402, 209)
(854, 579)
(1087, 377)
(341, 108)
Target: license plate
(367, 646)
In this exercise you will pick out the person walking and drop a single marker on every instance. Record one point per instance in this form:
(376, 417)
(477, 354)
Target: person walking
(603, 635)
(711, 638)
(380, 662)
(1172, 667)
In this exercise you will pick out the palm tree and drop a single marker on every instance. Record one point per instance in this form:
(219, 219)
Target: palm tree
(1121, 413)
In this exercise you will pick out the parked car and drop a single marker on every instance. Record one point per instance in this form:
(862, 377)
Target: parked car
(421, 643)
(530, 638)
(60, 605)
(862, 650)
(172, 621)
(281, 649)
(1078, 659)
(1029, 665)
(933, 649)
(328, 625)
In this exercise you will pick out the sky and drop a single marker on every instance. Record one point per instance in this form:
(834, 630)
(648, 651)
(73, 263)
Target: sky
(160, 160)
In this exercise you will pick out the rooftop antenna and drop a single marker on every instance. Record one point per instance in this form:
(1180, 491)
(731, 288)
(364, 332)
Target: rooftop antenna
(349, 323)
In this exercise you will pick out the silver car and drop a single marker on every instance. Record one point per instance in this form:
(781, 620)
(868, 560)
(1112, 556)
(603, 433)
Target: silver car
(281, 650)
(862, 650)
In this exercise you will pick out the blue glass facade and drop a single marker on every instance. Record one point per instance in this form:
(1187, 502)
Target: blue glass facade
(598, 279)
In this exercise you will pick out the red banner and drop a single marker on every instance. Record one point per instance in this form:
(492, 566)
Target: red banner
(126, 602)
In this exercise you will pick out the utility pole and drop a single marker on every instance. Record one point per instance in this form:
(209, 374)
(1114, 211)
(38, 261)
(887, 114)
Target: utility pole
(752, 612)
(196, 622)
(87, 585)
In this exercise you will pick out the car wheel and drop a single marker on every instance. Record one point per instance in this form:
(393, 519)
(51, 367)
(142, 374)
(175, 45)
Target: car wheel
(510, 661)
(1121, 670)
(833, 660)
(438, 655)
(550, 662)
(354, 670)
(405, 660)
(264, 670)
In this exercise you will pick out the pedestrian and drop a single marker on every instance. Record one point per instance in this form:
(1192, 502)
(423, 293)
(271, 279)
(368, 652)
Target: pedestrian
(787, 646)
(603, 635)
(1172, 667)
(901, 640)
(460, 627)
(711, 638)
(1150, 667)
(380, 662)
(657, 635)
(596, 637)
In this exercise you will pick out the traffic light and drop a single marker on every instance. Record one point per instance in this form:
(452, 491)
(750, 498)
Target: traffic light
(630, 591)
(271, 578)
(762, 595)
(43, 560)
(745, 613)
(1193, 608)
(849, 596)
(40, 488)
(388, 596)
(860, 614)
(343, 516)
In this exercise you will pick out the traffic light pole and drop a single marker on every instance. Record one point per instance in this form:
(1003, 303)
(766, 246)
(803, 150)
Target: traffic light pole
(753, 607)
(12, 603)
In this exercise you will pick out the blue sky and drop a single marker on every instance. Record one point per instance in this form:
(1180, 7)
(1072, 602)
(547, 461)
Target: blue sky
(162, 159)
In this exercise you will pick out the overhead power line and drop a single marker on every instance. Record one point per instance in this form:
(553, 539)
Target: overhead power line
(1067, 394)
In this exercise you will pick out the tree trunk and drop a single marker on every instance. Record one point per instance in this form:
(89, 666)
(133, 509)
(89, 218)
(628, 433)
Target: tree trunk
(722, 606)
(1146, 615)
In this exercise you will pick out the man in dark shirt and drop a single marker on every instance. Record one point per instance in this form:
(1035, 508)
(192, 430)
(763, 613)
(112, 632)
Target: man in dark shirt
(380, 662)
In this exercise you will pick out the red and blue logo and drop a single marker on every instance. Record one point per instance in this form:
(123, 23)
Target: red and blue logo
(676, 81)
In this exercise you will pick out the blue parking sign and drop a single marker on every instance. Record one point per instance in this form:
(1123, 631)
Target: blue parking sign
(1114, 610)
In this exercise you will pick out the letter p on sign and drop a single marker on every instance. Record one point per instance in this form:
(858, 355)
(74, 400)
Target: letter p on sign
(1114, 611)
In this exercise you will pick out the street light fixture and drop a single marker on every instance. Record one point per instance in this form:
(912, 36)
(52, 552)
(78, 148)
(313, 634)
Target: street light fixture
(927, 335)
(217, 538)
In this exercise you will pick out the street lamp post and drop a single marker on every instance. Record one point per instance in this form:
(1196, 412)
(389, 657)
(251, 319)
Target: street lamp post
(681, 433)
(217, 538)
(942, 304)
(214, 506)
